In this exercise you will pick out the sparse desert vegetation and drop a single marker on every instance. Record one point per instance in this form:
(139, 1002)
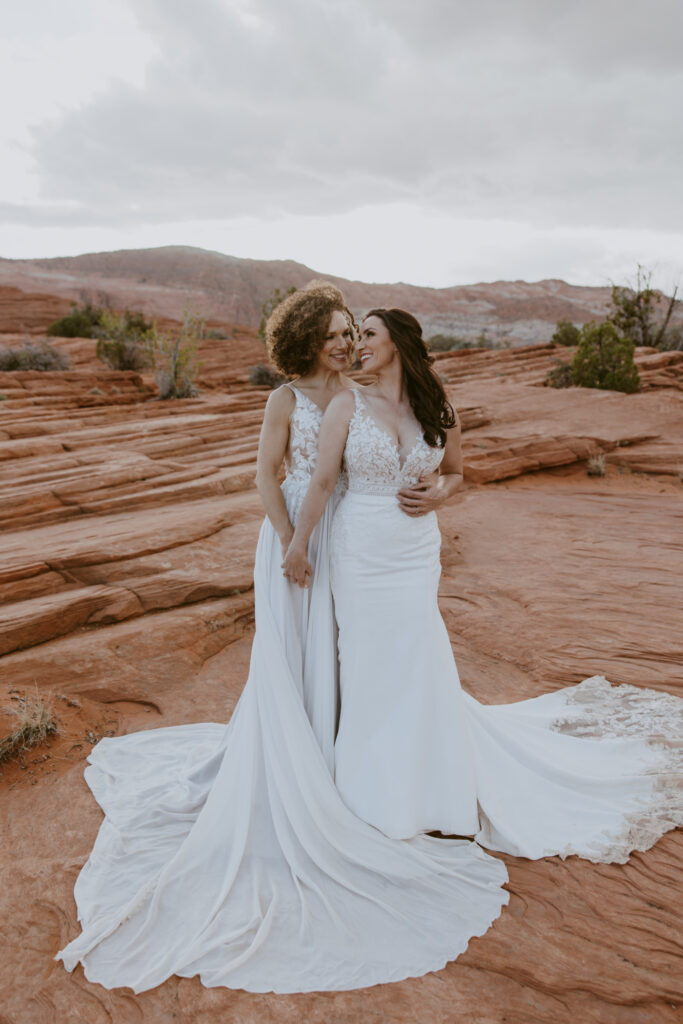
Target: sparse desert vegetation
(82, 322)
(35, 720)
(264, 376)
(176, 359)
(125, 341)
(596, 465)
(32, 355)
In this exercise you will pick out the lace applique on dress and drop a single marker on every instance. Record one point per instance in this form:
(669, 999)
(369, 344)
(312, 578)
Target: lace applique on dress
(304, 429)
(597, 710)
(372, 458)
(304, 432)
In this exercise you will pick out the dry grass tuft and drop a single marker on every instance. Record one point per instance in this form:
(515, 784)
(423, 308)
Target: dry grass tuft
(596, 465)
(36, 721)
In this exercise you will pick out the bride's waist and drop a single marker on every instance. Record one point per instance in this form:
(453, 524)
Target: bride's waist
(378, 489)
(299, 480)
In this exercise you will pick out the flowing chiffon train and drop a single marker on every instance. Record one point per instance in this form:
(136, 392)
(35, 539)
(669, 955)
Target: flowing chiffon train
(227, 851)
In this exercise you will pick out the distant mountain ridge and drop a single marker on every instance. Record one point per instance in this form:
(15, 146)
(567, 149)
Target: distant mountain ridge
(167, 280)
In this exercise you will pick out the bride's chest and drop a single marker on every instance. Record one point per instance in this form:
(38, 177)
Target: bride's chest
(372, 454)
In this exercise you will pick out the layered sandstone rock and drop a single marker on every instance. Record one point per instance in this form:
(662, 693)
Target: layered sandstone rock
(128, 528)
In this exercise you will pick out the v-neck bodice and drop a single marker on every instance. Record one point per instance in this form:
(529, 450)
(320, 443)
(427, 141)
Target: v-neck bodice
(372, 457)
(304, 430)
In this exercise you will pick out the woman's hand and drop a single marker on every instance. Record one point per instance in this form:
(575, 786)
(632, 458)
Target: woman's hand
(296, 566)
(424, 497)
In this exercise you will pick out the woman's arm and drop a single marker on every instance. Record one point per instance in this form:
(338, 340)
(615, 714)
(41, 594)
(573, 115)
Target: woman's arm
(433, 491)
(272, 448)
(333, 433)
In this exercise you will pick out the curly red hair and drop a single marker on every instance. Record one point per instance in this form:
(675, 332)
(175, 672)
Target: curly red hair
(296, 329)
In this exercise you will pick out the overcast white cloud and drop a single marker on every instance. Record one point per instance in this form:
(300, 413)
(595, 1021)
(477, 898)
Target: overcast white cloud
(507, 138)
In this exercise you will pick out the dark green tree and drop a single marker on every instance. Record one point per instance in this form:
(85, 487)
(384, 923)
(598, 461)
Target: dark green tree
(560, 375)
(81, 322)
(566, 333)
(637, 312)
(604, 359)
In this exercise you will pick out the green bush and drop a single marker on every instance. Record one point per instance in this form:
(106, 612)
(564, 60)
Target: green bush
(566, 333)
(673, 340)
(604, 359)
(560, 376)
(446, 343)
(126, 341)
(176, 359)
(265, 376)
(643, 313)
(81, 322)
(31, 356)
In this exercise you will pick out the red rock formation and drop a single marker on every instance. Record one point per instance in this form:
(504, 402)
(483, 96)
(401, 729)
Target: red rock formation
(168, 280)
(128, 531)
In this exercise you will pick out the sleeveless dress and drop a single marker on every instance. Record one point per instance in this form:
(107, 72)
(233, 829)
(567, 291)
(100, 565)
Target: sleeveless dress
(227, 852)
(593, 769)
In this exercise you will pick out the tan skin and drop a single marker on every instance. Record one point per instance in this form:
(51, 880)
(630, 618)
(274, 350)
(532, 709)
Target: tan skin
(325, 381)
(389, 406)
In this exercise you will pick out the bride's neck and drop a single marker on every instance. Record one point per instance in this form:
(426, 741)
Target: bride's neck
(390, 382)
(326, 380)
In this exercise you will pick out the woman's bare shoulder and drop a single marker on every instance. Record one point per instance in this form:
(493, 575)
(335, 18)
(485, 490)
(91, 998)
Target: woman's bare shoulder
(281, 401)
(343, 402)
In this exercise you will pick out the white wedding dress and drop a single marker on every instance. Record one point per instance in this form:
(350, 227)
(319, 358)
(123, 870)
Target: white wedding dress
(593, 769)
(227, 851)
(267, 856)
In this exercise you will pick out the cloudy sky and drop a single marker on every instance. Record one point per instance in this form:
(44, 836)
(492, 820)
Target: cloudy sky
(431, 141)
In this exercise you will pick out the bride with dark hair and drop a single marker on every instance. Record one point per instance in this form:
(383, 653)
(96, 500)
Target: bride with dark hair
(588, 770)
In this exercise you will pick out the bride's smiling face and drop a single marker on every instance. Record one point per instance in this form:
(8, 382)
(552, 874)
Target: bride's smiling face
(376, 350)
(336, 350)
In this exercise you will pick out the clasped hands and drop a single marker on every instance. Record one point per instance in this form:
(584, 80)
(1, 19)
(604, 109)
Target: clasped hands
(415, 501)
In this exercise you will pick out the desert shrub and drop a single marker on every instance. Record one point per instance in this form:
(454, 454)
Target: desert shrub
(271, 303)
(483, 341)
(264, 376)
(81, 322)
(446, 343)
(643, 313)
(176, 359)
(596, 465)
(126, 341)
(35, 721)
(672, 340)
(216, 334)
(604, 359)
(566, 333)
(32, 356)
(560, 376)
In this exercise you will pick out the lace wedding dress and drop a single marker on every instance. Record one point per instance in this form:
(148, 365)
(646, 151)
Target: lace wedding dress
(593, 769)
(227, 851)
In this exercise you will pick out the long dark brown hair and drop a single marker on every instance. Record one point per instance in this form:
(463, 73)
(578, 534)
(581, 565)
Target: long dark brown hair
(426, 394)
